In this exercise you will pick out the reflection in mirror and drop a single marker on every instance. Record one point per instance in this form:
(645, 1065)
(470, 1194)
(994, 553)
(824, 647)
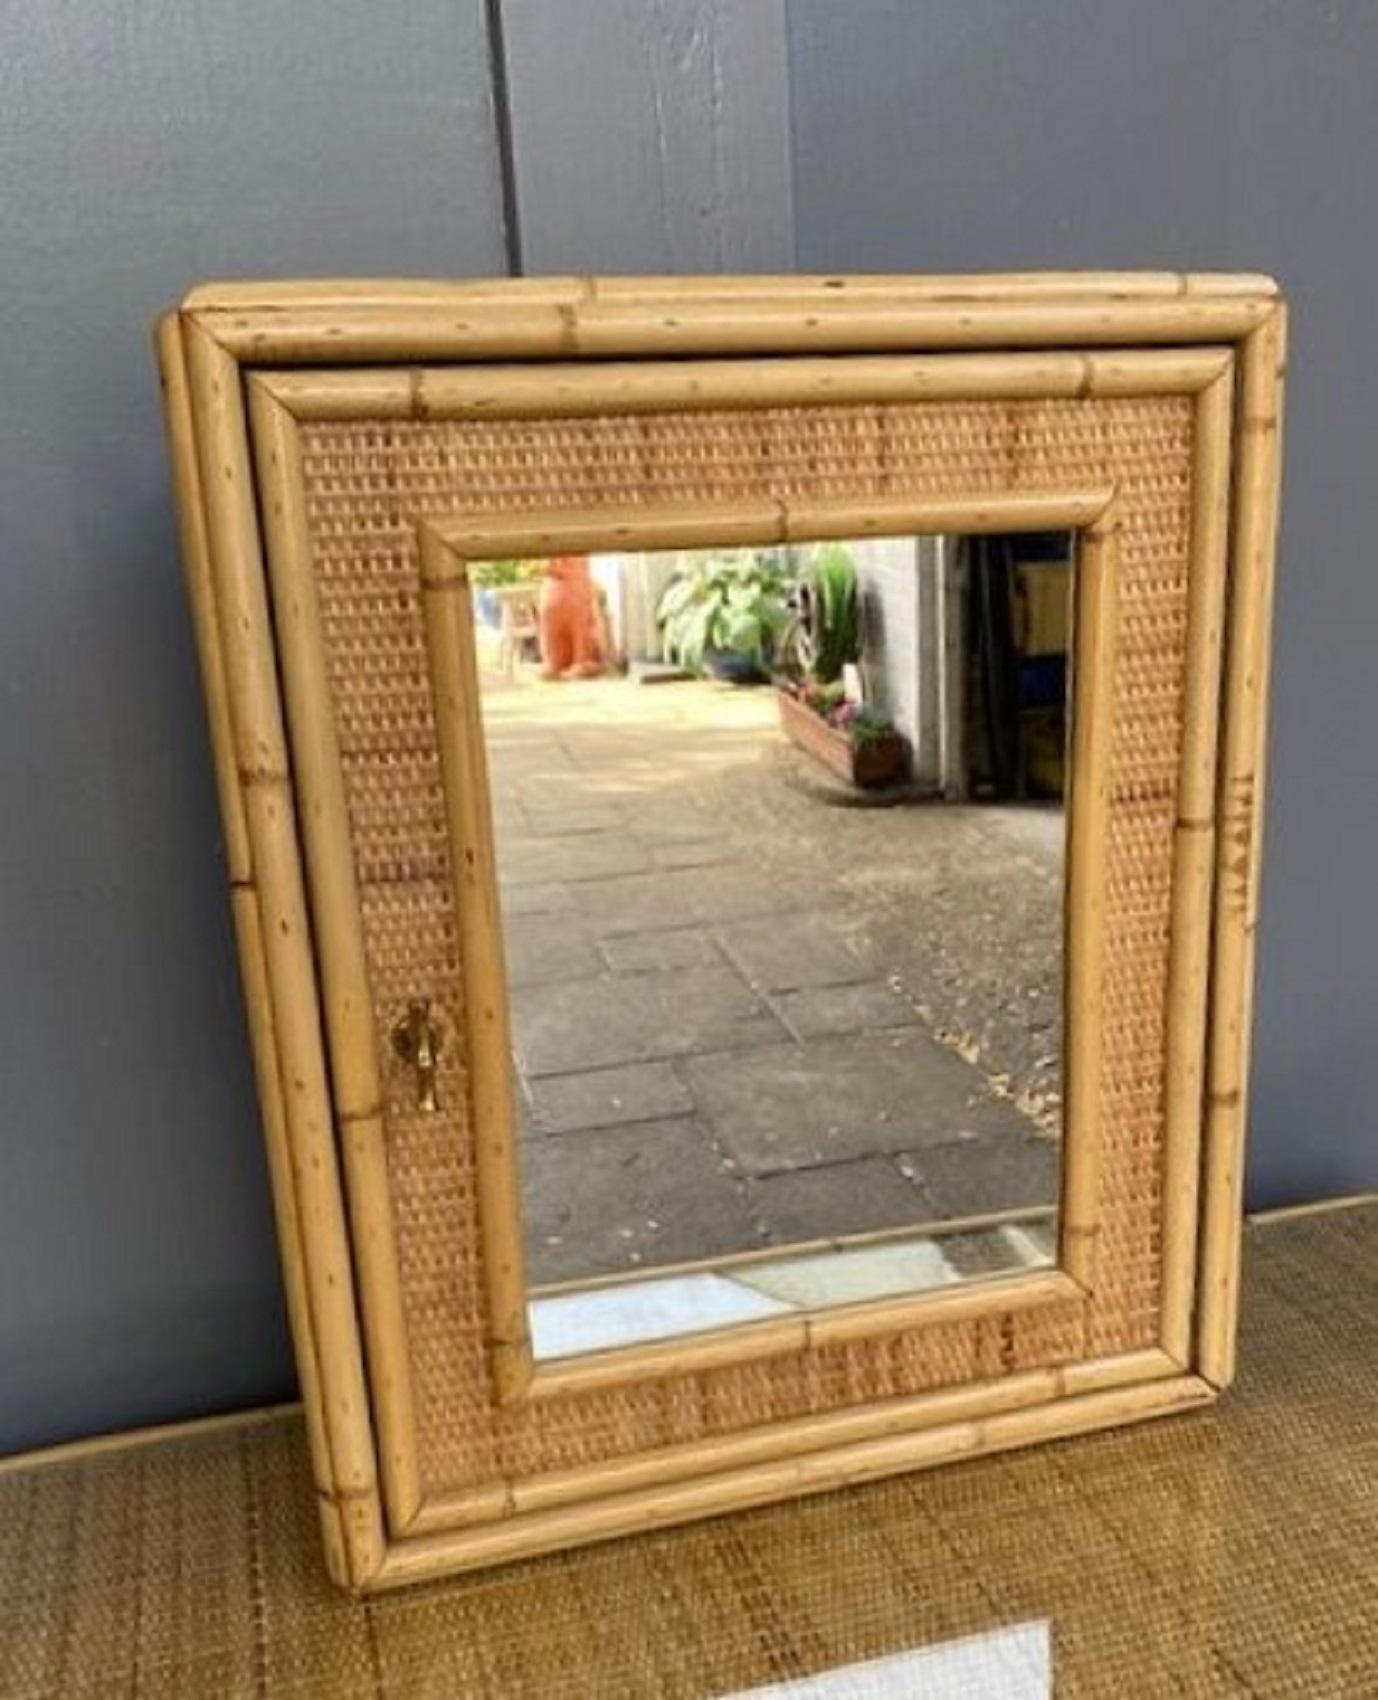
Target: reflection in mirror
(780, 848)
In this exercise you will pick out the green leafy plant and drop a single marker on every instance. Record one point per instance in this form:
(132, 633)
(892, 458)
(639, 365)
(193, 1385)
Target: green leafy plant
(726, 604)
(490, 575)
(831, 615)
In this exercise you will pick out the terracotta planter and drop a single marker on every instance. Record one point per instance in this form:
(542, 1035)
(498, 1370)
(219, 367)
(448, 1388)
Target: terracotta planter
(879, 762)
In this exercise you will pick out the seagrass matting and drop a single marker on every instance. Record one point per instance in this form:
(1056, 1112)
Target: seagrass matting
(1230, 1553)
(367, 483)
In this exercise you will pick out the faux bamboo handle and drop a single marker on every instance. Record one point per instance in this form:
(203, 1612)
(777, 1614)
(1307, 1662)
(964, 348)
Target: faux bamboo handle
(416, 1039)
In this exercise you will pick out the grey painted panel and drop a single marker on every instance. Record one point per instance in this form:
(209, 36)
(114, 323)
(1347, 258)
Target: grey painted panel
(650, 135)
(994, 134)
(147, 147)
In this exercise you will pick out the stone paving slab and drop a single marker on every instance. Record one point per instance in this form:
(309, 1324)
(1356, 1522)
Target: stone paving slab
(567, 818)
(542, 947)
(691, 853)
(634, 903)
(673, 1201)
(607, 1097)
(989, 1173)
(780, 1107)
(582, 1024)
(551, 899)
(815, 1011)
(570, 857)
(649, 953)
(660, 820)
(856, 1197)
(783, 955)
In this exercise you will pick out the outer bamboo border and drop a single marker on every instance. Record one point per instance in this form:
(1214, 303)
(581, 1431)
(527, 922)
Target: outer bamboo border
(953, 288)
(272, 325)
(248, 931)
(1257, 486)
(280, 945)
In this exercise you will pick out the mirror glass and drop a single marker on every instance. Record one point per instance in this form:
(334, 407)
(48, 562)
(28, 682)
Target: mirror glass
(780, 845)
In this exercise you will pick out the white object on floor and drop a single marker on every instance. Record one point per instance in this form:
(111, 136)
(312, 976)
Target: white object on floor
(1005, 1664)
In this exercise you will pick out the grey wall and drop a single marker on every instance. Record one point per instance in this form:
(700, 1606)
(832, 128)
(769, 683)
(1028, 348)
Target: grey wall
(650, 135)
(950, 135)
(144, 147)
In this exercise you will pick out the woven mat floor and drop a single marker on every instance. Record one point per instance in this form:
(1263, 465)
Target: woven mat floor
(1234, 1552)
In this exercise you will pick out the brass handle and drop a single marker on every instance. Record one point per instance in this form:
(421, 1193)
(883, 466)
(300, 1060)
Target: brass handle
(416, 1039)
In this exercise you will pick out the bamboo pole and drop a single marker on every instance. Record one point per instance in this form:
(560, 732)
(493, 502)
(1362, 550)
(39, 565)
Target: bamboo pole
(196, 566)
(448, 616)
(887, 516)
(194, 550)
(563, 390)
(747, 1342)
(323, 813)
(981, 1296)
(248, 657)
(1256, 490)
(1088, 806)
(789, 1439)
(477, 537)
(568, 290)
(563, 1527)
(1193, 857)
(342, 333)
(288, 1223)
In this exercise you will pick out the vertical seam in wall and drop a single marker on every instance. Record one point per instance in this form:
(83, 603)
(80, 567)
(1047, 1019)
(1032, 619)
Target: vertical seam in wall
(502, 124)
(791, 139)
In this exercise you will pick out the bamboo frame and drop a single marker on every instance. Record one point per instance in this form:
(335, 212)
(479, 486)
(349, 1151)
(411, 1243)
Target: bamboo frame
(280, 949)
(253, 362)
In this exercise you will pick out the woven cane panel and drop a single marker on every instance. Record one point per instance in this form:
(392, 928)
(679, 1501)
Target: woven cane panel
(368, 483)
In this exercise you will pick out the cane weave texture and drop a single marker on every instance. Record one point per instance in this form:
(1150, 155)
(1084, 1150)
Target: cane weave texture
(367, 486)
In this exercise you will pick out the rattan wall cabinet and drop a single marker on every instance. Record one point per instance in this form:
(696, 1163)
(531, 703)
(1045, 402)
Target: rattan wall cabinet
(341, 452)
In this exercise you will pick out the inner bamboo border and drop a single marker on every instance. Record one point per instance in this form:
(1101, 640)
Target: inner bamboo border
(447, 550)
(202, 350)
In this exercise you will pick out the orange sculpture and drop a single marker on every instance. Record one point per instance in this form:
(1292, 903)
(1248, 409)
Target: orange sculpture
(570, 627)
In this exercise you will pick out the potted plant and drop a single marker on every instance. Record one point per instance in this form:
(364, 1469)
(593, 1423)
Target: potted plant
(726, 614)
(855, 742)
